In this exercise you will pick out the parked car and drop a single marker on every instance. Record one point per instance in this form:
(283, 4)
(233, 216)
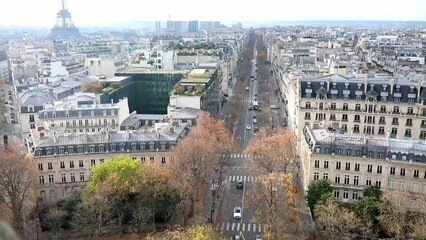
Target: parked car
(248, 127)
(254, 121)
(240, 184)
(257, 237)
(247, 88)
(237, 212)
(275, 107)
(256, 129)
(250, 107)
(237, 237)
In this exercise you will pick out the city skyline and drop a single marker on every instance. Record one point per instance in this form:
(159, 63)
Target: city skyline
(97, 13)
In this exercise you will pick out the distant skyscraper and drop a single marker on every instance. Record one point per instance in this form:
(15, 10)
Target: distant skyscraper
(216, 24)
(157, 27)
(193, 26)
(64, 27)
(170, 26)
(206, 25)
(239, 25)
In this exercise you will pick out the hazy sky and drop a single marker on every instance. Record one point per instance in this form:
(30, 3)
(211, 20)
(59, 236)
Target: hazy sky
(100, 12)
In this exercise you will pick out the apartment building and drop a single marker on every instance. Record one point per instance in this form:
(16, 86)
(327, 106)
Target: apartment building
(372, 106)
(84, 114)
(352, 163)
(65, 160)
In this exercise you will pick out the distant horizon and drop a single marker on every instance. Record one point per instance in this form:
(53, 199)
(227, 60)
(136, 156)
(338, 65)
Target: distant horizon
(103, 13)
(131, 24)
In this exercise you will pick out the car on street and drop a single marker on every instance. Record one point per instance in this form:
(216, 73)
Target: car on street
(275, 107)
(240, 185)
(255, 94)
(254, 115)
(237, 237)
(248, 127)
(254, 121)
(247, 88)
(237, 212)
(257, 237)
(256, 129)
(250, 107)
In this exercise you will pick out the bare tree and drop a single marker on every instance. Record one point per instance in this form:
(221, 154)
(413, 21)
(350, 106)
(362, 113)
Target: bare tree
(335, 222)
(17, 174)
(402, 215)
(274, 153)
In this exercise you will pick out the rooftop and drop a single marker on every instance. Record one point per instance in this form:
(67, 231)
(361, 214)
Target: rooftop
(153, 71)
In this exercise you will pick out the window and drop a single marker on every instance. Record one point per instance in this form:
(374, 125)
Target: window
(308, 104)
(369, 168)
(72, 177)
(32, 119)
(307, 115)
(382, 120)
(49, 166)
(143, 159)
(356, 166)
(368, 181)
(394, 121)
(71, 164)
(63, 178)
(422, 135)
(415, 187)
(346, 179)
(80, 163)
(81, 176)
(391, 184)
(355, 195)
(392, 171)
(356, 128)
(163, 160)
(316, 176)
(345, 117)
(92, 162)
(357, 118)
(410, 110)
(401, 185)
(378, 182)
(409, 122)
(345, 106)
(337, 179)
(348, 166)
(381, 131)
(402, 172)
(338, 165)
(379, 169)
(151, 159)
(316, 163)
(336, 193)
(40, 166)
(325, 164)
(101, 160)
(357, 107)
(345, 195)
(325, 176)
(416, 173)
(62, 164)
(395, 109)
(51, 179)
(32, 126)
(356, 180)
(41, 179)
(382, 108)
(407, 133)
(333, 106)
(332, 117)
(43, 194)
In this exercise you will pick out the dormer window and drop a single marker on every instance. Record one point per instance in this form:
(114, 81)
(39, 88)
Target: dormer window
(80, 114)
(67, 114)
(54, 115)
(30, 108)
(322, 83)
(347, 85)
(112, 112)
(104, 112)
(411, 88)
(92, 113)
(397, 87)
(385, 87)
(45, 115)
(334, 85)
(359, 85)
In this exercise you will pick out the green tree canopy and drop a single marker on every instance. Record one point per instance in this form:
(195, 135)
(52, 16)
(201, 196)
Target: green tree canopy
(315, 191)
(373, 191)
(123, 167)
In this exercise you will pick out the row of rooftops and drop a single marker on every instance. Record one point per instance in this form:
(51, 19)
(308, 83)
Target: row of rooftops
(331, 140)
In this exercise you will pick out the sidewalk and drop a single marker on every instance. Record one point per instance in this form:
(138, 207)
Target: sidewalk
(306, 223)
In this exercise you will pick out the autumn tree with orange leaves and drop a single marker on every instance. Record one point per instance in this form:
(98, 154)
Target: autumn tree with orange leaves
(207, 147)
(17, 178)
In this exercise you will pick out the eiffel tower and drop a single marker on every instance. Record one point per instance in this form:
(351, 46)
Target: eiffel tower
(64, 27)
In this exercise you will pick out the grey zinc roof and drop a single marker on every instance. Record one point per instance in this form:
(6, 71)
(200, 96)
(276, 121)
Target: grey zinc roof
(36, 98)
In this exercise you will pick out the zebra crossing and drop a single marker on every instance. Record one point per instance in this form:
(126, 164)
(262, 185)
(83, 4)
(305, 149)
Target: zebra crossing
(242, 178)
(243, 227)
(239, 155)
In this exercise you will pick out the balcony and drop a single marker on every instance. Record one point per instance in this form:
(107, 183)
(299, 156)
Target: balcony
(395, 123)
